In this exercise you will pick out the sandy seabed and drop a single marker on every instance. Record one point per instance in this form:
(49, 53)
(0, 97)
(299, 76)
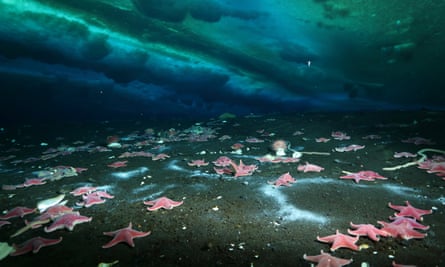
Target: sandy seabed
(227, 221)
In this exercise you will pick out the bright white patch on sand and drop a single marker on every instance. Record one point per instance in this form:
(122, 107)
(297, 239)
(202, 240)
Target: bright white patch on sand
(129, 174)
(288, 211)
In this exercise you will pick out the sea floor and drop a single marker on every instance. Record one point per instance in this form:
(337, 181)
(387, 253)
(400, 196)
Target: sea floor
(227, 221)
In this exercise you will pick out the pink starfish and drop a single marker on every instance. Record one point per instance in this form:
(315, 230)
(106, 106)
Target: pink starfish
(11, 186)
(410, 211)
(3, 223)
(372, 136)
(54, 212)
(411, 221)
(368, 230)
(90, 200)
(340, 136)
(136, 154)
(404, 155)
(83, 190)
(162, 202)
(403, 230)
(222, 161)
(126, 234)
(34, 244)
(285, 179)
(80, 170)
(34, 181)
(290, 160)
(349, 148)
(68, 220)
(362, 175)
(17, 212)
(437, 167)
(161, 156)
(94, 198)
(394, 264)
(118, 164)
(254, 140)
(242, 169)
(271, 159)
(340, 240)
(418, 141)
(197, 163)
(103, 194)
(326, 260)
(309, 168)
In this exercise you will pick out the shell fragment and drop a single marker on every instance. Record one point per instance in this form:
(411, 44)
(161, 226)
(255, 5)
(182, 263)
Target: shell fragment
(46, 203)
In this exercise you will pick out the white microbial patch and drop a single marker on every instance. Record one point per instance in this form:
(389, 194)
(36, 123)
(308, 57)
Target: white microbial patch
(108, 188)
(441, 200)
(163, 148)
(145, 195)
(199, 187)
(143, 189)
(198, 173)
(400, 190)
(317, 180)
(173, 166)
(129, 174)
(288, 211)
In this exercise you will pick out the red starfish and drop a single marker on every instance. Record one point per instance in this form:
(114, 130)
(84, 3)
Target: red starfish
(34, 244)
(126, 234)
(162, 202)
(410, 211)
(326, 260)
(340, 240)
